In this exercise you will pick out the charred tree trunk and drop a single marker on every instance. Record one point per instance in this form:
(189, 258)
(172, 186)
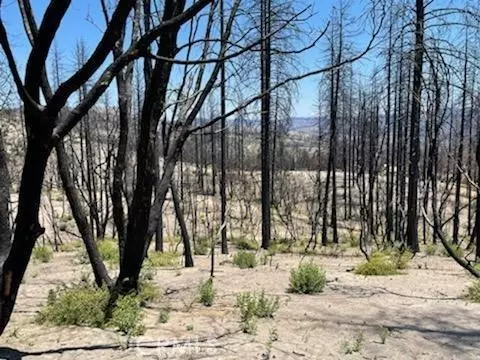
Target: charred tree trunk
(223, 146)
(27, 228)
(81, 219)
(389, 208)
(265, 123)
(5, 229)
(183, 228)
(458, 170)
(476, 228)
(413, 171)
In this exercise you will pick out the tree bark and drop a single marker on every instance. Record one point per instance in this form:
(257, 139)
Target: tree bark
(413, 171)
(183, 228)
(265, 124)
(27, 228)
(100, 272)
(5, 229)
(223, 145)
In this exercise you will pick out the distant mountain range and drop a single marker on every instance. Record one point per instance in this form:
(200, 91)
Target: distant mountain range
(304, 124)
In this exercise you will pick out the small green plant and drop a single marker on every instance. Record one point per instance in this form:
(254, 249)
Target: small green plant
(127, 316)
(401, 258)
(272, 337)
(474, 291)
(383, 333)
(66, 217)
(163, 259)
(15, 333)
(43, 253)
(244, 243)
(248, 308)
(245, 260)
(279, 248)
(354, 346)
(108, 251)
(308, 278)
(206, 292)
(253, 306)
(148, 272)
(353, 240)
(147, 292)
(70, 246)
(379, 264)
(164, 315)
(189, 327)
(264, 259)
(431, 249)
(203, 245)
(266, 306)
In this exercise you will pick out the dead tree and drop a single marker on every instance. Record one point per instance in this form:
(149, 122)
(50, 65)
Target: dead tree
(414, 156)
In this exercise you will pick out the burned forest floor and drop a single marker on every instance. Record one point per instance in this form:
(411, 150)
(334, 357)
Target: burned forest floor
(419, 314)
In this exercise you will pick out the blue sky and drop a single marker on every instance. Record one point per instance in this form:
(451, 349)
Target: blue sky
(84, 21)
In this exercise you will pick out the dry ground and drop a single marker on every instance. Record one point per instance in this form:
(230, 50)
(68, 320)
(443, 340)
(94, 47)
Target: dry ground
(423, 311)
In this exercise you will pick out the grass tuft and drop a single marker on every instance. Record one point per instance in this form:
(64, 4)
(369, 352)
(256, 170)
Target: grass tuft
(42, 253)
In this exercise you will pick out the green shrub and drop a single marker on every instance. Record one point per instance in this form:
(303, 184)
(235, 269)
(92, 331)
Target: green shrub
(267, 307)
(253, 306)
(353, 240)
(43, 253)
(383, 333)
(148, 272)
(127, 316)
(379, 264)
(474, 292)
(308, 278)
(457, 249)
(206, 292)
(202, 245)
(431, 249)
(163, 259)
(108, 250)
(147, 292)
(401, 258)
(279, 248)
(71, 246)
(164, 315)
(355, 346)
(81, 305)
(248, 308)
(264, 306)
(243, 243)
(244, 259)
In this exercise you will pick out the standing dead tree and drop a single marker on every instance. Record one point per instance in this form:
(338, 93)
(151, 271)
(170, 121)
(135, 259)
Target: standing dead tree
(45, 121)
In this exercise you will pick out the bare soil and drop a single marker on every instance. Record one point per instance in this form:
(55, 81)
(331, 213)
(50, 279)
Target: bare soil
(420, 315)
